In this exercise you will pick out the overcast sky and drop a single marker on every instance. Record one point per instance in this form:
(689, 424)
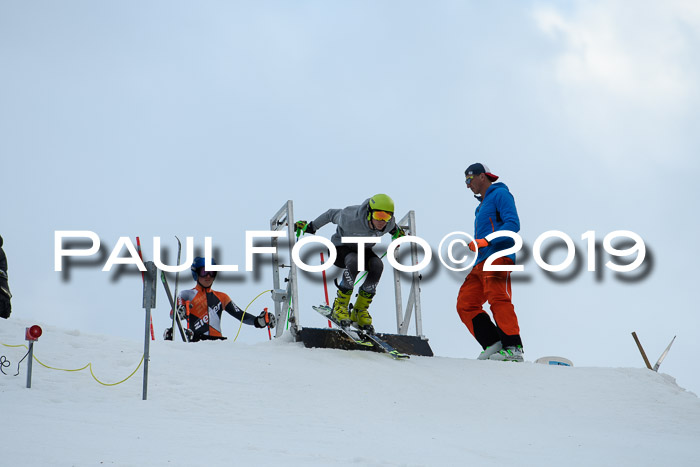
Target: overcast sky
(202, 119)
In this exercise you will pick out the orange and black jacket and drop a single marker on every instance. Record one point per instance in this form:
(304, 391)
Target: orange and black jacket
(204, 308)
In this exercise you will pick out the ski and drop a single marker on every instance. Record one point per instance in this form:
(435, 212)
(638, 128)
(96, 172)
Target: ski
(364, 336)
(663, 355)
(177, 278)
(326, 311)
(176, 315)
(382, 344)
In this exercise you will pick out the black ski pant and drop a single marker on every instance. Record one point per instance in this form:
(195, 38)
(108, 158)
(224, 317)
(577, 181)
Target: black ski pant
(348, 260)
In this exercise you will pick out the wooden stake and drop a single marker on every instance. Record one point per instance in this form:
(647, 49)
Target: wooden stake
(641, 350)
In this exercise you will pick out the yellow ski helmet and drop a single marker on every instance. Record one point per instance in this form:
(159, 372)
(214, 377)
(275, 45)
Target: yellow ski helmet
(380, 202)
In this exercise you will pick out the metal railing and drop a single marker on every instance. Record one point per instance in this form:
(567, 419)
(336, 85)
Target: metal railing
(413, 306)
(286, 299)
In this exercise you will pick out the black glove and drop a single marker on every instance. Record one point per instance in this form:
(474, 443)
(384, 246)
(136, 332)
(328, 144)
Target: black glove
(302, 227)
(182, 311)
(261, 322)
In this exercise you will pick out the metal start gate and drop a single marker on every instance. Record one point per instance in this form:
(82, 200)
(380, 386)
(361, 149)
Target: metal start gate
(286, 298)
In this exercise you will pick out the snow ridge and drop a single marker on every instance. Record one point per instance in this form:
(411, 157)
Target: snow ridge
(278, 403)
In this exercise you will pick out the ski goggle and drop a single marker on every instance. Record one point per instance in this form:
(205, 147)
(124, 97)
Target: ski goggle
(203, 273)
(381, 216)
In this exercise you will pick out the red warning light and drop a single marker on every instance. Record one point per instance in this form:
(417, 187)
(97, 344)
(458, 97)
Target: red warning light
(33, 333)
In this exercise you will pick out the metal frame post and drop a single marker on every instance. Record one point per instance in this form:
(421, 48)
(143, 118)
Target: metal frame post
(31, 335)
(289, 296)
(149, 302)
(403, 320)
(29, 364)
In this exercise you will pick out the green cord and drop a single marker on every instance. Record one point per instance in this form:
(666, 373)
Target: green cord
(363, 275)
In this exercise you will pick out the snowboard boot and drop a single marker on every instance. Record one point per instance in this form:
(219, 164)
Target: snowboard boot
(359, 314)
(512, 353)
(340, 307)
(490, 350)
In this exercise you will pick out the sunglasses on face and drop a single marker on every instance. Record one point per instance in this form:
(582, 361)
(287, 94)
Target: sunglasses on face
(469, 179)
(381, 216)
(203, 273)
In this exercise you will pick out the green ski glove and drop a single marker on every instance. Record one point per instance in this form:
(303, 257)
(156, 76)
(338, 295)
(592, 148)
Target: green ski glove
(397, 233)
(302, 227)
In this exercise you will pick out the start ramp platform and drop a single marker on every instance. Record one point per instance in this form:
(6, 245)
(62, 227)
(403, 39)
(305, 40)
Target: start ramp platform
(331, 338)
(286, 300)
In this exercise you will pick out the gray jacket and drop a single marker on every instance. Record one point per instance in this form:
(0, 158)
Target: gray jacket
(352, 222)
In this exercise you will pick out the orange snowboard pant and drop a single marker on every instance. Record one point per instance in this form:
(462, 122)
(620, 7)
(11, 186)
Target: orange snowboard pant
(493, 287)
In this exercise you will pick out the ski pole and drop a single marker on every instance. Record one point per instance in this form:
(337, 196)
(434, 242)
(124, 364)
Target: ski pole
(143, 278)
(325, 289)
(267, 321)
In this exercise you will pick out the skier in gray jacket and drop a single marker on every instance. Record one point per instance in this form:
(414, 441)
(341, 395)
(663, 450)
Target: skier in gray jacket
(373, 218)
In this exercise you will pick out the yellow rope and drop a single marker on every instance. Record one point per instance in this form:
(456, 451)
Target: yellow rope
(59, 369)
(89, 365)
(246, 309)
(19, 345)
(118, 382)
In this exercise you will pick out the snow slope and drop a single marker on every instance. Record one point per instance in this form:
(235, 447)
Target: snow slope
(278, 403)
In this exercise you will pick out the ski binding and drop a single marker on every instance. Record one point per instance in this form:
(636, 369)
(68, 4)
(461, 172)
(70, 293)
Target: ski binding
(363, 336)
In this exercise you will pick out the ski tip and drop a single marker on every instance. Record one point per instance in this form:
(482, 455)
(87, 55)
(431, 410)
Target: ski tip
(400, 356)
(555, 361)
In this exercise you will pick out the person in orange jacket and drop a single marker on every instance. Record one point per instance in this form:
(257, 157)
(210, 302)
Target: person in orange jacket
(203, 306)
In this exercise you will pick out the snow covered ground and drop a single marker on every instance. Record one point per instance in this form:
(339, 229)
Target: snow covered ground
(278, 403)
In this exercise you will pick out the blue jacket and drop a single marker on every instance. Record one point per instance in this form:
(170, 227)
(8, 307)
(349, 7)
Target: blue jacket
(496, 211)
